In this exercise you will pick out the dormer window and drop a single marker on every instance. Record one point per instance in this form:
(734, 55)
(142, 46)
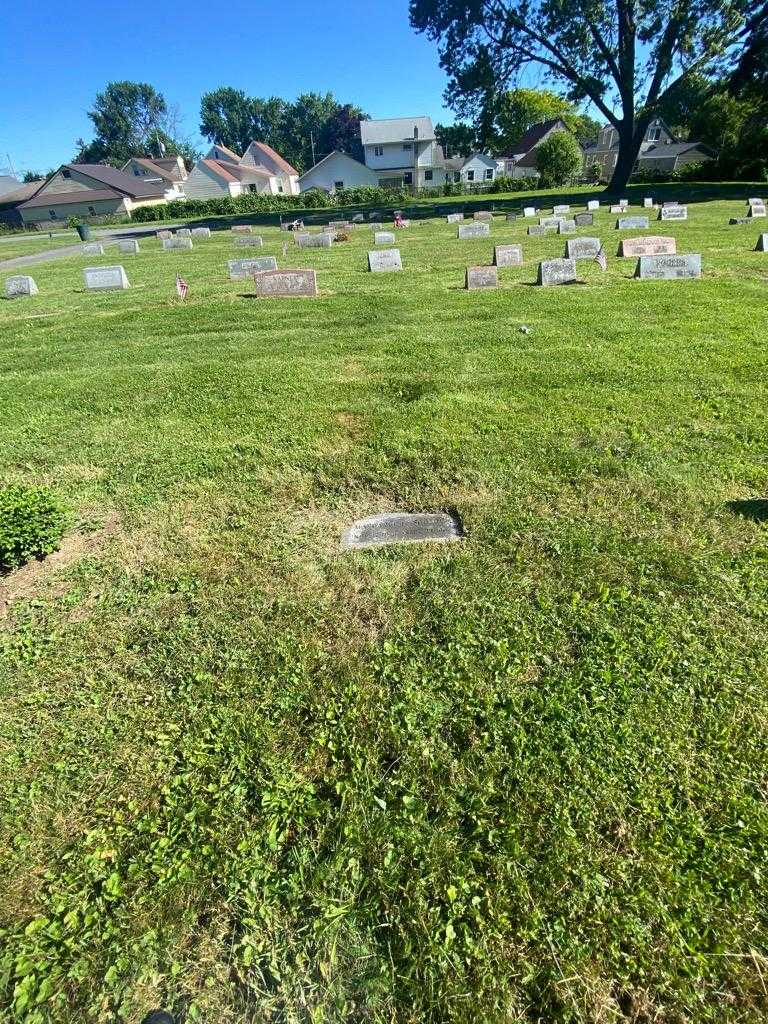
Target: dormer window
(66, 174)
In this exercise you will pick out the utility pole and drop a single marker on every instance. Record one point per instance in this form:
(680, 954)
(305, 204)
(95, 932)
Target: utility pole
(10, 165)
(312, 143)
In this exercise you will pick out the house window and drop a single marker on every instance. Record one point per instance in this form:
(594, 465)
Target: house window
(407, 178)
(427, 175)
(407, 146)
(470, 175)
(489, 174)
(52, 214)
(66, 174)
(338, 184)
(378, 151)
(279, 188)
(92, 211)
(654, 134)
(136, 171)
(251, 188)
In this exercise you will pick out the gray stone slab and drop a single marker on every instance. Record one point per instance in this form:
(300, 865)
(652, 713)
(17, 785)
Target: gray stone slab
(307, 241)
(757, 211)
(615, 208)
(402, 528)
(593, 204)
(128, 245)
(21, 285)
(561, 208)
(240, 270)
(755, 201)
(584, 220)
(582, 248)
(201, 232)
(481, 277)
(673, 213)
(357, 218)
(478, 229)
(177, 243)
(382, 260)
(105, 278)
(455, 218)
(93, 249)
(485, 215)
(249, 242)
(511, 217)
(286, 284)
(631, 223)
(567, 227)
(762, 243)
(184, 233)
(550, 222)
(557, 272)
(536, 230)
(649, 245)
(669, 268)
(508, 255)
(384, 238)
(163, 234)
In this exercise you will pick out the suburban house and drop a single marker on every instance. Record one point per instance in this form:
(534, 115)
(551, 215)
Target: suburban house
(88, 190)
(402, 151)
(476, 169)
(170, 172)
(10, 202)
(223, 173)
(660, 150)
(8, 184)
(519, 160)
(335, 171)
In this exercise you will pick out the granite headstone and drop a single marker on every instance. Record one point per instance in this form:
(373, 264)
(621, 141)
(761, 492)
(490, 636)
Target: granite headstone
(105, 278)
(650, 245)
(481, 277)
(508, 255)
(557, 272)
(668, 268)
(478, 229)
(240, 270)
(21, 285)
(382, 260)
(286, 284)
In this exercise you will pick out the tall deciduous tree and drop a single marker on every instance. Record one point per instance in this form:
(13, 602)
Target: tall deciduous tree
(127, 117)
(622, 55)
(456, 139)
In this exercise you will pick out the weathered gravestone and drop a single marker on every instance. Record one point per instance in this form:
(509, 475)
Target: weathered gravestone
(481, 277)
(668, 268)
(511, 217)
(651, 245)
(567, 227)
(163, 234)
(384, 238)
(128, 245)
(476, 230)
(401, 528)
(201, 232)
(536, 230)
(582, 248)
(673, 213)
(754, 201)
(648, 203)
(286, 284)
(177, 243)
(93, 249)
(242, 229)
(557, 272)
(184, 233)
(529, 211)
(593, 204)
(616, 208)
(240, 270)
(357, 218)
(307, 241)
(455, 218)
(756, 211)
(550, 222)
(105, 278)
(16, 287)
(584, 220)
(631, 223)
(482, 215)
(762, 243)
(560, 209)
(624, 203)
(508, 255)
(384, 259)
(343, 225)
(252, 241)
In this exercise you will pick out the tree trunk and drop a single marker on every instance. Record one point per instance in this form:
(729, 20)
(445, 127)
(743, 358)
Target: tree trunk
(630, 140)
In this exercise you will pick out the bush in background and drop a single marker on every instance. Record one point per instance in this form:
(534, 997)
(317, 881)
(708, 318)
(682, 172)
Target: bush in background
(559, 160)
(31, 525)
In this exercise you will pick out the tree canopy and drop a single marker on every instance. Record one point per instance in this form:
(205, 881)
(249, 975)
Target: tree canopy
(623, 56)
(558, 159)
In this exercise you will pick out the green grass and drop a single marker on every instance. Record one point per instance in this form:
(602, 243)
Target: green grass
(11, 247)
(520, 778)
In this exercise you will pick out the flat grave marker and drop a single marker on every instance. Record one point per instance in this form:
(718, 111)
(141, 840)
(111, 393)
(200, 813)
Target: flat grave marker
(286, 284)
(650, 245)
(19, 286)
(105, 278)
(177, 243)
(669, 268)
(252, 241)
(242, 229)
(508, 255)
(401, 528)
(582, 248)
(553, 272)
(383, 260)
(740, 220)
(631, 223)
(241, 270)
(481, 277)
(478, 229)
(384, 238)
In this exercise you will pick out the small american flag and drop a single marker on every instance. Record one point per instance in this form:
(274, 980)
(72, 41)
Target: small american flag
(601, 259)
(181, 287)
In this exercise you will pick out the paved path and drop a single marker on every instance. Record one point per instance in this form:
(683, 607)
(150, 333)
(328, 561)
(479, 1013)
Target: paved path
(107, 235)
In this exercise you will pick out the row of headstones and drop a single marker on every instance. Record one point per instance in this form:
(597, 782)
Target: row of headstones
(130, 246)
(755, 208)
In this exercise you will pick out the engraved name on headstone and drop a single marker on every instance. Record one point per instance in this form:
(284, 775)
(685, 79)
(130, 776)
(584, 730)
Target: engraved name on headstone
(16, 287)
(584, 220)
(582, 248)
(93, 249)
(668, 268)
(286, 284)
(673, 213)
(105, 278)
(631, 223)
(401, 528)
(478, 229)
(481, 277)
(557, 272)
(384, 259)
(307, 241)
(239, 270)
(384, 238)
(252, 241)
(128, 245)
(650, 245)
(508, 255)
(177, 243)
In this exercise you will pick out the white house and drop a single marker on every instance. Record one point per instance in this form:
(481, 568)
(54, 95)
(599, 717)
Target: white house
(223, 173)
(336, 171)
(477, 169)
(170, 172)
(402, 151)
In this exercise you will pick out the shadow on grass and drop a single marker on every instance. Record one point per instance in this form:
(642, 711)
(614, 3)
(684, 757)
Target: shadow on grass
(755, 509)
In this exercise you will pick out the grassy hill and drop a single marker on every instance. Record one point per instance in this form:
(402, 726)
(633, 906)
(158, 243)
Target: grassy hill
(518, 778)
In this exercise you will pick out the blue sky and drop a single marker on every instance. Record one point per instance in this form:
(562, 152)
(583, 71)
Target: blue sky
(54, 59)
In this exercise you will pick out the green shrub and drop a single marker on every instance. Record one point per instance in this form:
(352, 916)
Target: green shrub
(559, 159)
(31, 525)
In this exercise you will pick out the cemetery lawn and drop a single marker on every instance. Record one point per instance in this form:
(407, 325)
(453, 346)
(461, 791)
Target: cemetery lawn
(523, 777)
(11, 247)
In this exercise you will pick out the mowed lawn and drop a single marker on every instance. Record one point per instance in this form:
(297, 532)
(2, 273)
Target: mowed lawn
(11, 246)
(523, 777)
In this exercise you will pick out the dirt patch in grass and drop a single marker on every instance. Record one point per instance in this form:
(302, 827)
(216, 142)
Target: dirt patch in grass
(41, 578)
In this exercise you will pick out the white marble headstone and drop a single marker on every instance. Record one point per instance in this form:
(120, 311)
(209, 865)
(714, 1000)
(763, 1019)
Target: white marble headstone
(16, 287)
(105, 278)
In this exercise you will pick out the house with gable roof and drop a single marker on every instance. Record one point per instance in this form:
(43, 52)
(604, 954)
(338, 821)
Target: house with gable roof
(519, 159)
(223, 172)
(88, 191)
(660, 150)
(170, 171)
(402, 151)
